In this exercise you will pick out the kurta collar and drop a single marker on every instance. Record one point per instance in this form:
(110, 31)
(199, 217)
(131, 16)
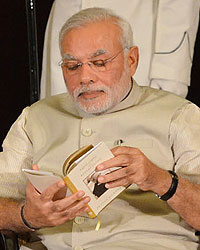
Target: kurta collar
(131, 100)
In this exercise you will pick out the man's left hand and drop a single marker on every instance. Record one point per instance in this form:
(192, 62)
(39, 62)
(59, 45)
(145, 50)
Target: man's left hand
(135, 168)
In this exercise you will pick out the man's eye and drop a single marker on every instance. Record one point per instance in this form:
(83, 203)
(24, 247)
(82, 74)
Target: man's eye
(99, 63)
(72, 66)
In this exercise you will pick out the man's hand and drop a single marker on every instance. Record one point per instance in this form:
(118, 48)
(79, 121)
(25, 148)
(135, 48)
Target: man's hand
(41, 210)
(135, 168)
(61, 193)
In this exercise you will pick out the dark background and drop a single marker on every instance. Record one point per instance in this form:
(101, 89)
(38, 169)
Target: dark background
(14, 69)
(14, 83)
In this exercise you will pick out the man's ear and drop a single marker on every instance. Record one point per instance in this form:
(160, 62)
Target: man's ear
(132, 59)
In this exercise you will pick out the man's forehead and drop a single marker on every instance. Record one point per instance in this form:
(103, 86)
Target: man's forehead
(99, 30)
(93, 54)
(91, 40)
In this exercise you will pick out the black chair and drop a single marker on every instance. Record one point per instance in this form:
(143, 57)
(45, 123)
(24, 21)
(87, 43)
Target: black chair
(2, 242)
(8, 241)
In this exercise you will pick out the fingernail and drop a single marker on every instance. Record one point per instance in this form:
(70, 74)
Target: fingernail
(107, 185)
(87, 199)
(86, 209)
(80, 194)
(100, 167)
(61, 184)
(101, 179)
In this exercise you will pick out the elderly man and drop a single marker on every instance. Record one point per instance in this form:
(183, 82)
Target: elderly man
(159, 152)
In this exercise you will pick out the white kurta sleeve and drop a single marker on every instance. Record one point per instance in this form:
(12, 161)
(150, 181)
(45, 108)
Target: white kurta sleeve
(176, 28)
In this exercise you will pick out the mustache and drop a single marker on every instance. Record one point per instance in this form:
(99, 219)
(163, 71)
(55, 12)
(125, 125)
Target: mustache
(85, 89)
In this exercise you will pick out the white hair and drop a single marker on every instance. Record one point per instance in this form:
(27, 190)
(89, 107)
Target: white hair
(91, 15)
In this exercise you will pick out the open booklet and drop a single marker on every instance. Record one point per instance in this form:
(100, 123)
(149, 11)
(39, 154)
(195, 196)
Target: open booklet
(79, 174)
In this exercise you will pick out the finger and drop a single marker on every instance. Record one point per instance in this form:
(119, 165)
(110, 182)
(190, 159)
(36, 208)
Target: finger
(31, 190)
(49, 192)
(77, 207)
(72, 213)
(68, 201)
(35, 167)
(117, 161)
(125, 150)
(124, 172)
(117, 183)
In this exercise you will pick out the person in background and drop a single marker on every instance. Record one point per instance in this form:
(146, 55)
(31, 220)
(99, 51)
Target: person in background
(165, 32)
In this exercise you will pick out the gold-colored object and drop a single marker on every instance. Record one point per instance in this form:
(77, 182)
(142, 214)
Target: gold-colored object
(98, 223)
(69, 164)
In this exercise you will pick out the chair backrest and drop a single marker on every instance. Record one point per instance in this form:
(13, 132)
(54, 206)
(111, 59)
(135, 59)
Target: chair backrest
(9, 241)
(2, 242)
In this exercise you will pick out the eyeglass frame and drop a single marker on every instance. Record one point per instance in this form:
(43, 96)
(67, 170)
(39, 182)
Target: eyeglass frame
(91, 62)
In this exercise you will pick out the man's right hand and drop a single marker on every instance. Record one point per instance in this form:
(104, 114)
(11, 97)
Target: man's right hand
(42, 210)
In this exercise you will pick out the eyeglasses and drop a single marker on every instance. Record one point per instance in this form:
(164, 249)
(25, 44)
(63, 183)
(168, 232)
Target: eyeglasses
(72, 67)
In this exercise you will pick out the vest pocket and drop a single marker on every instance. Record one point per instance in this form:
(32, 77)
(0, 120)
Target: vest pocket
(131, 142)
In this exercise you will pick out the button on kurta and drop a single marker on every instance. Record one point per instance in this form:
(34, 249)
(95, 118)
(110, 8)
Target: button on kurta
(87, 132)
(79, 220)
(78, 248)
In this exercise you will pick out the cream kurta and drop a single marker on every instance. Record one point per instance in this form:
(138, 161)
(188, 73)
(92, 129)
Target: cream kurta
(165, 127)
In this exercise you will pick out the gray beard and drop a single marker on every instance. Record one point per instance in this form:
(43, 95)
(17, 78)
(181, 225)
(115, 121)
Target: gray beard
(114, 96)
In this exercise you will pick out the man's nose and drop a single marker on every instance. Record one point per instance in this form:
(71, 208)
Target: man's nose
(87, 74)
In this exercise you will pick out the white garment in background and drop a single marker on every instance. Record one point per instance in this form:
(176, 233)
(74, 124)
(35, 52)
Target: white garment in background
(164, 31)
